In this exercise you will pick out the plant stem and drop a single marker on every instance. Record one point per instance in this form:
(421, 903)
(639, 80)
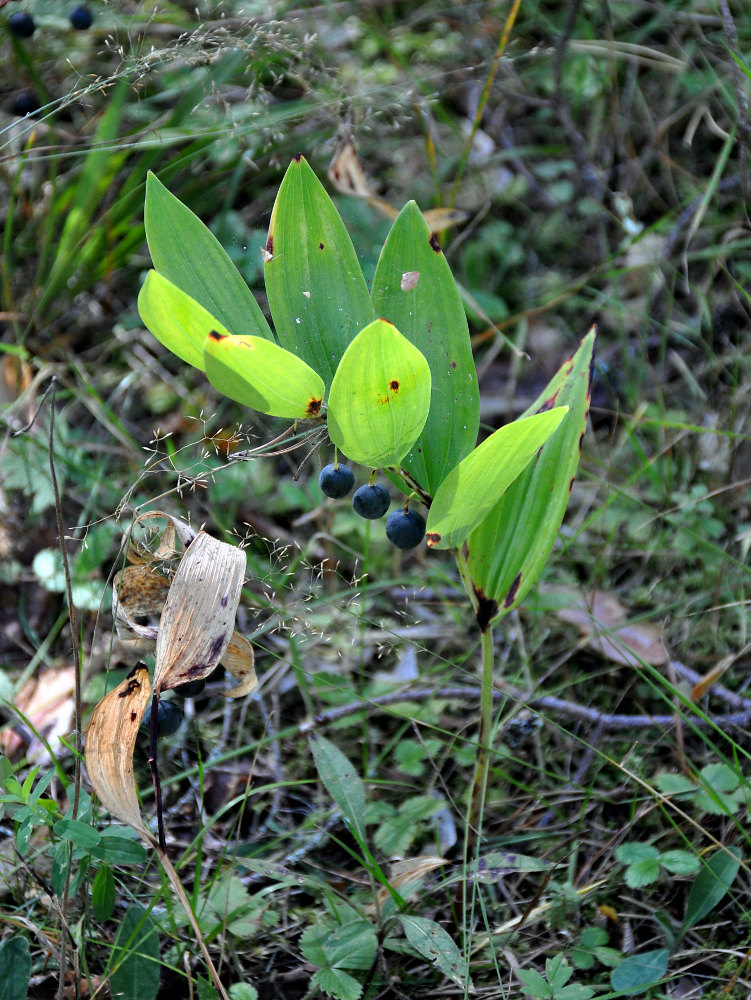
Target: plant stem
(485, 729)
(484, 739)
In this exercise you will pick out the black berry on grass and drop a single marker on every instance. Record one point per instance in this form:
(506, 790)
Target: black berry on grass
(81, 18)
(336, 480)
(25, 103)
(190, 688)
(170, 718)
(21, 24)
(405, 529)
(371, 501)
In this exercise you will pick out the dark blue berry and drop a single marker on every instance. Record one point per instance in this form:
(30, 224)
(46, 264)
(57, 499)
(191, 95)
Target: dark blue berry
(405, 529)
(190, 688)
(170, 718)
(25, 103)
(21, 24)
(81, 18)
(336, 480)
(371, 501)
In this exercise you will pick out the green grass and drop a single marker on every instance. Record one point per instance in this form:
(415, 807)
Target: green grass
(604, 187)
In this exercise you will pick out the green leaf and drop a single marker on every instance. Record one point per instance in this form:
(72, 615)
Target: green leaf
(475, 486)
(414, 289)
(135, 953)
(78, 833)
(316, 290)
(508, 550)
(177, 321)
(262, 375)
(119, 849)
(493, 866)
(644, 872)
(191, 257)
(103, 893)
(675, 784)
(431, 941)
(680, 862)
(633, 852)
(337, 984)
(60, 866)
(711, 885)
(637, 973)
(341, 780)
(243, 991)
(15, 968)
(379, 398)
(348, 946)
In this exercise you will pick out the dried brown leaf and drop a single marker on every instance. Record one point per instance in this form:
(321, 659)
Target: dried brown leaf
(407, 873)
(239, 660)
(138, 591)
(199, 615)
(47, 702)
(601, 619)
(110, 741)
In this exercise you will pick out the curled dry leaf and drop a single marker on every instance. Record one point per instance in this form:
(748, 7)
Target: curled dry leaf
(138, 591)
(198, 617)
(240, 662)
(202, 598)
(405, 875)
(110, 741)
(348, 177)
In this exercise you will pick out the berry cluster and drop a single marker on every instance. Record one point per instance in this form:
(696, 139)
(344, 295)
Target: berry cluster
(22, 25)
(170, 713)
(404, 528)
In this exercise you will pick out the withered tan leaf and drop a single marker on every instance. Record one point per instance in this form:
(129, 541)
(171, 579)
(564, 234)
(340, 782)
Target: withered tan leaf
(110, 741)
(405, 874)
(137, 591)
(198, 618)
(240, 662)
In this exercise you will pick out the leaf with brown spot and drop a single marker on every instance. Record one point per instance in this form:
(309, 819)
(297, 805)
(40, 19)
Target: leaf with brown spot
(110, 741)
(199, 615)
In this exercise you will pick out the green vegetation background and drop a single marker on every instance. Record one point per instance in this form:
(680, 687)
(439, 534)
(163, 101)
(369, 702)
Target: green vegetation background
(602, 161)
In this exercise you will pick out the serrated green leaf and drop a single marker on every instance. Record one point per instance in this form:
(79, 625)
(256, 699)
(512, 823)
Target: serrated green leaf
(316, 290)
(177, 321)
(135, 957)
(637, 973)
(243, 991)
(680, 862)
(431, 941)
(262, 375)
(508, 550)
(711, 885)
(641, 873)
(379, 397)
(15, 968)
(341, 781)
(337, 984)
(633, 851)
(414, 289)
(675, 784)
(190, 256)
(475, 486)
(103, 893)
